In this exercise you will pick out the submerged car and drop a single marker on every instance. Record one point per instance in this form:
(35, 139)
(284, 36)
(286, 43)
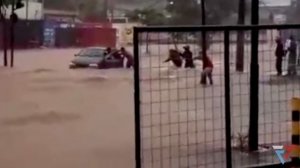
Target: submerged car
(96, 56)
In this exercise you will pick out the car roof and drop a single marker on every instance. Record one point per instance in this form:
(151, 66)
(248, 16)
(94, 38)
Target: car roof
(102, 48)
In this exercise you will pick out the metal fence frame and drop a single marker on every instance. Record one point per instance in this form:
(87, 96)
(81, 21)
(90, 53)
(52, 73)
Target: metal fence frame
(253, 79)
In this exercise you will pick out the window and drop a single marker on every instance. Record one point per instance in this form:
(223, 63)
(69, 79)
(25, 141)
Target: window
(91, 52)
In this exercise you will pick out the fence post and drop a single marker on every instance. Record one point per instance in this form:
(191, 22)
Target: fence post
(12, 34)
(5, 32)
(295, 130)
(137, 99)
(254, 79)
(204, 39)
(227, 99)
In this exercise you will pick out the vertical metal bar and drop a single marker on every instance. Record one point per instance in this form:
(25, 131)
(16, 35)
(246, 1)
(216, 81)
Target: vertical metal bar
(5, 45)
(12, 35)
(43, 9)
(147, 43)
(254, 79)
(227, 99)
(137, 109)
(105, 9)
(27, 9)
(203, 15)
(240, 38)
(203, 12)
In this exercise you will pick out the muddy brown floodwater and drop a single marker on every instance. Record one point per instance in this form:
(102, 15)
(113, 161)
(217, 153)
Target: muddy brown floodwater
(53, 117)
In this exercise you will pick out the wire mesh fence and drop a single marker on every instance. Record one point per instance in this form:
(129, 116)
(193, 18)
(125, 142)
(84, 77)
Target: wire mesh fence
(183, 120)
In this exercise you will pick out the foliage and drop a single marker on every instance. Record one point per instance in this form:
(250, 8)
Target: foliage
(147, 16)
(91, 9)
(4, 4)
(240, 141)
(188, 12)
(293, 13)
(59, 4)
(184, 12)
(87, 8)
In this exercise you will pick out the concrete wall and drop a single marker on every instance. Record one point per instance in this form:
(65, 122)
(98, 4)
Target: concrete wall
(124, 32)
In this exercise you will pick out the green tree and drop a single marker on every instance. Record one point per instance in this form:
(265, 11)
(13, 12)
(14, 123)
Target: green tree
(188, 12)
(60, 4)
(293, 13)
(146, 16)
(95, 9)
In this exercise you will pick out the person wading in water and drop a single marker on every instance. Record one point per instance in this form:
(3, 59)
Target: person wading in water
(188, 56)
(175, 57)
(279, 53)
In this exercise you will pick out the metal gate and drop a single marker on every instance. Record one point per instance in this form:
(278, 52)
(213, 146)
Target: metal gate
(180, 123)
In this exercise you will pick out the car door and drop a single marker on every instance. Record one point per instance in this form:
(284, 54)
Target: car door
(111, 62)
(95, 56)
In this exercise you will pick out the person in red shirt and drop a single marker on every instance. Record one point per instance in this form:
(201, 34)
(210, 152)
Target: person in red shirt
(207, 69)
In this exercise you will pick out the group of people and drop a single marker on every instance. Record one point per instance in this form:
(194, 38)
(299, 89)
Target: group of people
(177, 59)
(121, 54)
(289, 49)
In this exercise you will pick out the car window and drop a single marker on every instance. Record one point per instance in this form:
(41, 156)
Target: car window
(91, 52)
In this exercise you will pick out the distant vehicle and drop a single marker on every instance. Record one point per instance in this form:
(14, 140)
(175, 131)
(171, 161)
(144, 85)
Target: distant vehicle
(96, 56)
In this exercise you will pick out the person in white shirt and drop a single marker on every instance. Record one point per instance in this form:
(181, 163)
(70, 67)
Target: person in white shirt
(287, 46)
(292, 53)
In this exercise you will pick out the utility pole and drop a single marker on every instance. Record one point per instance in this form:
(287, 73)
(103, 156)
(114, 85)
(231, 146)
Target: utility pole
(112, 10)
(240, 38)
(254, 79)
(105, 9)
(27, 9)
(203, 15)
(4, 36)
(12, 33)
(43, 9)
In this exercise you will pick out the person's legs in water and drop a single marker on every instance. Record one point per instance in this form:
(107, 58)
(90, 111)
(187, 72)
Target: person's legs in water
(186, 65)
(294, 69)
(279, 66)
(177, 63)
(209, 75)
(189, 63)
(292, 65)
(203, 78)
(129, 64)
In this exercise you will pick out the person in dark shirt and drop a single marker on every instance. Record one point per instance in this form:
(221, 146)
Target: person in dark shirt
(279, 53)
(128, 56)
(107, 51)
(188, 56)
(174, 56)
